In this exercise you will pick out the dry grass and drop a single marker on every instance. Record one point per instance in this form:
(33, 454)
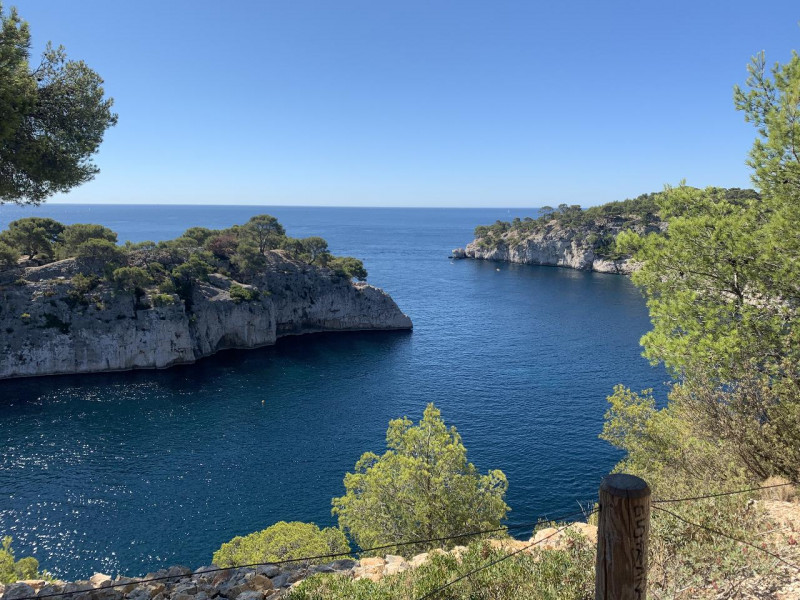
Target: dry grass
(785, 493)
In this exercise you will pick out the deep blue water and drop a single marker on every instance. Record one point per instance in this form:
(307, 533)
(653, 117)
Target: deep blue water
(133, 471)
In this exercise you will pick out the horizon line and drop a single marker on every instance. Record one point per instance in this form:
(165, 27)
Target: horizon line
(45, 204)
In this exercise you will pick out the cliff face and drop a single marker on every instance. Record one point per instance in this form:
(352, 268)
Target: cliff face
(48, 327)
(556, 246)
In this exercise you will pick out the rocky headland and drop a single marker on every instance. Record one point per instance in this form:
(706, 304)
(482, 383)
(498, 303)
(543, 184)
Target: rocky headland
(555, 246)
(576, 238)
(567, 237)
(151, 307)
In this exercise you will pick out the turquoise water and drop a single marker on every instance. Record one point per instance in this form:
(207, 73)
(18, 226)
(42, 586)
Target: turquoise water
(129, 472)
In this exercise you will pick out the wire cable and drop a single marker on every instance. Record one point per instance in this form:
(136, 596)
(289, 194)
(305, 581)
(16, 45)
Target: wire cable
(435, 591)
(136, 581)
(755, 489)
(730, 537)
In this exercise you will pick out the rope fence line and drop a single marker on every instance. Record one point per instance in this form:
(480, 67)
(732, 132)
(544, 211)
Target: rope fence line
(436, 591)
(730, 537)
(138, 581)
(521, 526)
(718, 495)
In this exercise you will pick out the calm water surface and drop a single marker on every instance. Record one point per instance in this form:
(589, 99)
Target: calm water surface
(129, 472)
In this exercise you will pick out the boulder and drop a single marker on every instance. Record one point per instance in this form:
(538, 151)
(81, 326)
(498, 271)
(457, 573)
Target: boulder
(14, 591)
(100, 580)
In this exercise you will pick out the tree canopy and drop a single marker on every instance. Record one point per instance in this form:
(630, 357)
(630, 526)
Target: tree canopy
(422, 487)
(52, 118)
(723, 289)
(281, 541)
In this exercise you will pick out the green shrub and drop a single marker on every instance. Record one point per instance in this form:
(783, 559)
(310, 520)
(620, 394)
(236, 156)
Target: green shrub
(131, 279)
(421, 487)
(544, 575)
(75, 235)
(242, 294)
(282, 541)
(8, 256)
(168, 287)
(349, 267)
(11, 570)
(163, 299)
(100, 253)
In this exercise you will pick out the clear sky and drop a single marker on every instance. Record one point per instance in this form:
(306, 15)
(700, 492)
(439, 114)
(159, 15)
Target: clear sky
(416, 102)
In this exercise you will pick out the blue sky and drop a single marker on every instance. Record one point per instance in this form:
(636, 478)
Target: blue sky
(415, 103)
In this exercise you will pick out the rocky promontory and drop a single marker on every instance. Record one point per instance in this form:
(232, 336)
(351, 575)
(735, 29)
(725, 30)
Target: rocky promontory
(568, 236)
(576, 238)
(151, 307)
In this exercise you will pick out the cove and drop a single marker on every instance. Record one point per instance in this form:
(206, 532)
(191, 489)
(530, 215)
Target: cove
(129, 472)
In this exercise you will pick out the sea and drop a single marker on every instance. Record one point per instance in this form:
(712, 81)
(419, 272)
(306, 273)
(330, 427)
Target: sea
(131, 472)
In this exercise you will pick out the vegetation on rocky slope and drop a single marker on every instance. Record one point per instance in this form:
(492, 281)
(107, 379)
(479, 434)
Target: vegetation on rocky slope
(595, 227)
(165, 268)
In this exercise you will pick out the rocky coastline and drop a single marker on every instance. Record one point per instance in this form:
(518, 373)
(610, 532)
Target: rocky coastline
(48, 326)
(269, 581)
(558, 246)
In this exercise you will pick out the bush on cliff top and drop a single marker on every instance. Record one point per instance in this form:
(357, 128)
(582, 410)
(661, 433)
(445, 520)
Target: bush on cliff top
(282, 541)
(239, 251)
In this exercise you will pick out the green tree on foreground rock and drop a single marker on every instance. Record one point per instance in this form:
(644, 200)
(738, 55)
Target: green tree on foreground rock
(421, 487)
(282, 541)
(52, 118)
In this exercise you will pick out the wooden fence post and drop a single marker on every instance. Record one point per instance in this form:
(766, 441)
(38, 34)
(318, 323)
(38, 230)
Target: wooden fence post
(623, 529)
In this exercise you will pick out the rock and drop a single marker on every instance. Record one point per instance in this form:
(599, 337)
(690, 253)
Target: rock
(14, 591)
(113, 333)
(459, 253)
(36, 584)
(371, 568)
(546, 538)
(373, 561)
(138, 594)
(48, 589)
(268, 570)
(76, 586)
(188, 588)
(419, 559)
(281, 580)
(129, 584)
(251, 595)
(394, 565)
(344, 564)
(106, 593)
(100, 580)
(178, 571)
(156, 588)
(559, 246)
(322, 569)
(260, 582)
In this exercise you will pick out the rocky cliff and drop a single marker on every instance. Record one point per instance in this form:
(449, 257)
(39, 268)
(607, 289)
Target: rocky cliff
(51, 324)
(559, 246)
